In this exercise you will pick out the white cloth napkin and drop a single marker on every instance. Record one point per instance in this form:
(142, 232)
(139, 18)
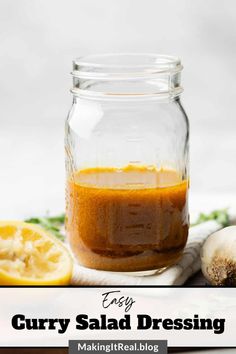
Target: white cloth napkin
(175, 275)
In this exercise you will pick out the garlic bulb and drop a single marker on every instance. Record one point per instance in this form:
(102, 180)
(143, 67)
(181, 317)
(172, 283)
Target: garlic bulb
(218, 257)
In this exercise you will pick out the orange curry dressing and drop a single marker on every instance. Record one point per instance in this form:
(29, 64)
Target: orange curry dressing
(129, 219)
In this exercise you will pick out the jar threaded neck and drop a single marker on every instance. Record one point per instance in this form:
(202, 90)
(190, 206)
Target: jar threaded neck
(125, 75)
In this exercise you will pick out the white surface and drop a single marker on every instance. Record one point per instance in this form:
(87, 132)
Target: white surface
(38, 41)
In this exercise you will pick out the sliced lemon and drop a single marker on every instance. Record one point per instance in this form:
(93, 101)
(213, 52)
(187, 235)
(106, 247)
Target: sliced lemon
(29, 255)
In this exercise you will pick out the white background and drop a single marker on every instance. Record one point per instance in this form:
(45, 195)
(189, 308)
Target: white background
(39, 39)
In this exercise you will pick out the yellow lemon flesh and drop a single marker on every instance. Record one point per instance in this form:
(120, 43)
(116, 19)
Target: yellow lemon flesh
(29, 255)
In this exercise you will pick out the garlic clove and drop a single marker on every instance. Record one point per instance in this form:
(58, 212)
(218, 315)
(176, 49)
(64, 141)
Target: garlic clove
(218, 257)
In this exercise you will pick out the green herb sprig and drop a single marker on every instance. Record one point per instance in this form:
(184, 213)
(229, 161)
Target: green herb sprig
(220, 215)
(53, 224)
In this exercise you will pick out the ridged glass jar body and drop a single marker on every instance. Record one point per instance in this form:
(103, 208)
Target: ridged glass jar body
(126, 148)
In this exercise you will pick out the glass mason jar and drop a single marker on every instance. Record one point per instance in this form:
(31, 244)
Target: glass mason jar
(127, 142)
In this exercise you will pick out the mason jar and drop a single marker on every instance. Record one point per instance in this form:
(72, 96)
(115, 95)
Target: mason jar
(127, 144)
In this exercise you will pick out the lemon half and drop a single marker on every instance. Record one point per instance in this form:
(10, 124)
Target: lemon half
(29, 255)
